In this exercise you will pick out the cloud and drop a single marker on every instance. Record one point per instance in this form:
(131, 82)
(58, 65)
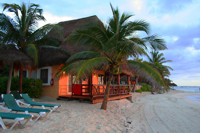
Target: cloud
(171, 39)
(164, 13)
(53, 19)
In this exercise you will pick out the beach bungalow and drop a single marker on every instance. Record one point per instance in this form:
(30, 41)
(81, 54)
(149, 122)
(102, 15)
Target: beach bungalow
(91, 87)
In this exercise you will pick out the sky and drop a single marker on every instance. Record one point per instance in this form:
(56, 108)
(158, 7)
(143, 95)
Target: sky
(176, 21)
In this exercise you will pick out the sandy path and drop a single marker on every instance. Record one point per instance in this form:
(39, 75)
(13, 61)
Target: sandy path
(166, 113)
(162, 113)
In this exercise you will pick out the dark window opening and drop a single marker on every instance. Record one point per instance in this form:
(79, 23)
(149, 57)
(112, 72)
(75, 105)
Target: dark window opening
(114, 80)
(44, 75)
(24, 74)
(123, 79)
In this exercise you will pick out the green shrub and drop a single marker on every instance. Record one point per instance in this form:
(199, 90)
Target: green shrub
(31, 86)
(3, 84)
(139, 91)
(145, 87)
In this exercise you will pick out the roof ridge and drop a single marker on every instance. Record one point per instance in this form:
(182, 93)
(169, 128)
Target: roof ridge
(79, 19)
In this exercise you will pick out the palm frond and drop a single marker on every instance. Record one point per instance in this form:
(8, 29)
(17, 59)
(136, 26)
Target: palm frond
(155, 42)
(85, 67)
(32, 51)
(149, 70)
(83, 56)
(40, 33)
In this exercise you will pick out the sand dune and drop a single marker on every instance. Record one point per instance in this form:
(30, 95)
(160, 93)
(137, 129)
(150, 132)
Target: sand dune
(161, 113)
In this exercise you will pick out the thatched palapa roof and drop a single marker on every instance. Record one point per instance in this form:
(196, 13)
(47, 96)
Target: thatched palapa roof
(48, 57)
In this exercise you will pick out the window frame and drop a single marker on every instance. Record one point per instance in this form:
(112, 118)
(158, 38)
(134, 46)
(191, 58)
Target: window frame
(27, 74)
(49, 75)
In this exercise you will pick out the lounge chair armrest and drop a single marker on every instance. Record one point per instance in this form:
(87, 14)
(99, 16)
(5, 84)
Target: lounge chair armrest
(42, 113)
(19, 119)
(5, 108)
(20, 102)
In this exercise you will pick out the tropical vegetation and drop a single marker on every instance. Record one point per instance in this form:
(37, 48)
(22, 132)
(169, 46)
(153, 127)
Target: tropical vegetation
(21, 34)
(111, 45)
(33, 87)
(157, 60)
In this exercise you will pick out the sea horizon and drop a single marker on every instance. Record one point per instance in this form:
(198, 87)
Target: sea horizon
(195, 89)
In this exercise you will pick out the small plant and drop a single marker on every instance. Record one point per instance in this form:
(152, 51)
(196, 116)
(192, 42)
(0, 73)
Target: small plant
(139, 91)
(145, 87)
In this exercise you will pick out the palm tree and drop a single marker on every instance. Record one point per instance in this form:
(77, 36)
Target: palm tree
(157, 60)
(22, 31)
(111, 45)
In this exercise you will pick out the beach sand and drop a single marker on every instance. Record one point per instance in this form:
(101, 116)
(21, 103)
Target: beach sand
(161, 113)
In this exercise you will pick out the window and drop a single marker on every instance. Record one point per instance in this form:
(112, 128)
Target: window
(24, 74)
(44, 75)
(75, 81)
(33, 75)
(123, 79)
(100, 79)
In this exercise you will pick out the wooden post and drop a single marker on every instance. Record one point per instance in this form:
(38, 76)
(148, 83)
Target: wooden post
(72, 83)
(118, 79)
(29, 74)
(128, 79)
(90, 84)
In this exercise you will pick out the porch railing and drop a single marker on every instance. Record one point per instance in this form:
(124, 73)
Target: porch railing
(99, 90)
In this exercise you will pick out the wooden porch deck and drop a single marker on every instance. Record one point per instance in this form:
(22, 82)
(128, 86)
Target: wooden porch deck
(95, 93)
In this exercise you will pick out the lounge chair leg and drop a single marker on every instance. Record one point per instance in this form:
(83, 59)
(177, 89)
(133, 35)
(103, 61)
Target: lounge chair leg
(16, 121)
(27, 121)
(54, 108)
(26, 112)
(2, 124)
(40, 115)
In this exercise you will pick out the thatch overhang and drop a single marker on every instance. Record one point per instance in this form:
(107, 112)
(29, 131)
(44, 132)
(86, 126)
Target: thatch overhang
(50, 56)
(11, 55)
(125, 69)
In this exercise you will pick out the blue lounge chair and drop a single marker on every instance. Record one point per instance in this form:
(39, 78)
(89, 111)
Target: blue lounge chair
(18, 98)
(14, 116)
(11, 104)
(28, 100)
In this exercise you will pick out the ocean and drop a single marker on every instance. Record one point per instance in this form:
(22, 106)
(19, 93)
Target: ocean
(195, 89)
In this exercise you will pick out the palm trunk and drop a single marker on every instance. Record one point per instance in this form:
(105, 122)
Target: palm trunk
(152, 89)
(20, 80)
(106, 95)
(9, 79)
